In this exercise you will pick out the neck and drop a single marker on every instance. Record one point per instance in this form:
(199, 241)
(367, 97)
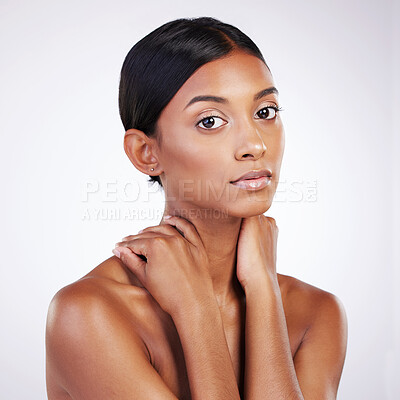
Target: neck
(219, 234)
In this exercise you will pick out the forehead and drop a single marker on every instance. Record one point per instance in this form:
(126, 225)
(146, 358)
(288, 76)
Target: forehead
(236, 75)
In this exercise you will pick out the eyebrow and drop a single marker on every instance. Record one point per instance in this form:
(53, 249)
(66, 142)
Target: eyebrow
(223, 100)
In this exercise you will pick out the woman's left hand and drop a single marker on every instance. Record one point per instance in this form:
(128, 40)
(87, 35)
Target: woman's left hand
(256, 251)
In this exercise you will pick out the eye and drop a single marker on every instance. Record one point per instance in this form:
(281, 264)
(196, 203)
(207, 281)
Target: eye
(209, 122)
(269, 112)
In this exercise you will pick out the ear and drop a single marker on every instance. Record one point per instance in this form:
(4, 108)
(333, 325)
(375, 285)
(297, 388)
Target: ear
(142, 151)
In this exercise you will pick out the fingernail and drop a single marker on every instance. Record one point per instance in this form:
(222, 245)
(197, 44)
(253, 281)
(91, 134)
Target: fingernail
(116, 252)
(167, 216)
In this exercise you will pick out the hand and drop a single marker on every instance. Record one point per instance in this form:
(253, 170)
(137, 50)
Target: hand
(171, 263)
(256, 251)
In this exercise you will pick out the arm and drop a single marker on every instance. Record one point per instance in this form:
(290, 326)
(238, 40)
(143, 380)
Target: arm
(208, 362)
(269, 372)
(317, 366)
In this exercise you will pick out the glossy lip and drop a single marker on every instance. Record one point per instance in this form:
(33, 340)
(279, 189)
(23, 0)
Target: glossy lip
(254, 175)
(253, 184)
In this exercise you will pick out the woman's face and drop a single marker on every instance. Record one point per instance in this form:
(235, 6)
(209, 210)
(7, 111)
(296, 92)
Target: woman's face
(200, 156)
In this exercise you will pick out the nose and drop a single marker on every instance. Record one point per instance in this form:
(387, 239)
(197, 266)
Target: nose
(251, 144)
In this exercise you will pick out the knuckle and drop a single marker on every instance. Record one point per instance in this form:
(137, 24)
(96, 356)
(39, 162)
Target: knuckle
(177, 240)
(144, 230)
(273, 224)
(122, 257)
(158, 241)
(271, 220)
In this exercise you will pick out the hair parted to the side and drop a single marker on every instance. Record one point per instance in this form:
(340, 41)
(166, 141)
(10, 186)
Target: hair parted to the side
(161, 62)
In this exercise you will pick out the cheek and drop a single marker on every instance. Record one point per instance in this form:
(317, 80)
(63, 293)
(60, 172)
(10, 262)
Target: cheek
(276, 144)
(275, 154)
(197, 168)
(191, 158)
(281, 146)
(282, 137)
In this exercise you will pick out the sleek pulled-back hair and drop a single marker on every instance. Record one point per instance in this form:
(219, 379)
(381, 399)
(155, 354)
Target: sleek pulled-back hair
(159, 64)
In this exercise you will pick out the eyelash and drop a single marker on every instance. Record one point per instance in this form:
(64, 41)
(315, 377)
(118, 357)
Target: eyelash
(276, 108)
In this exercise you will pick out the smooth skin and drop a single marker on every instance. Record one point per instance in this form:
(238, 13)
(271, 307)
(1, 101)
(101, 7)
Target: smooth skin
(193, 308)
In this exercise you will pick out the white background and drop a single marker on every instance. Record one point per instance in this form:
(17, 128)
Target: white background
(336, 64)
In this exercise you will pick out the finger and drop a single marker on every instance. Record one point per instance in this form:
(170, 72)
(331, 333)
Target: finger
(130, 237)
(270, 219)
(133, 261)
(272, 222)
(145, 234)
(187, 229)
(151, 231)
(140, 246)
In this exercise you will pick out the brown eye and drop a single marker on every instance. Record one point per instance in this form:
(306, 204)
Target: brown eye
(267, 112)
(209, 122)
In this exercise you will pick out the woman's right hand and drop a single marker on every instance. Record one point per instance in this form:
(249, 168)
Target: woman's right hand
(172, 266)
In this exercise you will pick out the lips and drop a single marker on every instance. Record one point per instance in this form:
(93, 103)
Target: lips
(254, 175)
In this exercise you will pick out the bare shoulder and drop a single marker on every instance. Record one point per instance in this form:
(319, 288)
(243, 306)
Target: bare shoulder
(106, 296)
(106, 287)
(320, 357)
(94, 334)
(97, 303)
(309, 300)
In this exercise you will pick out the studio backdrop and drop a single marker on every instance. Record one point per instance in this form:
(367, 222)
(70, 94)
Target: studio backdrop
(69, 192)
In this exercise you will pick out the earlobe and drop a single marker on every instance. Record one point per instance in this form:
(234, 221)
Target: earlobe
(139, 149)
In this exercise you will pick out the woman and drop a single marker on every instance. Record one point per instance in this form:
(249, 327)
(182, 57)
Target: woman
(193, 308)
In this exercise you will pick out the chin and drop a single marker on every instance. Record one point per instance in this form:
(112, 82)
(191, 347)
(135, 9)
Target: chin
(248, 208)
